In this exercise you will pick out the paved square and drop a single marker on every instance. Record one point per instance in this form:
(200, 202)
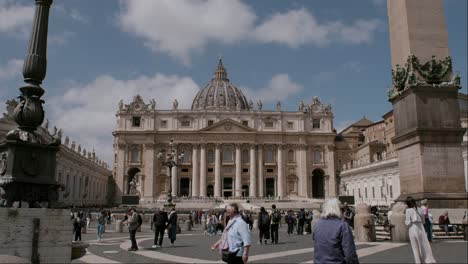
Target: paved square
(194, 247)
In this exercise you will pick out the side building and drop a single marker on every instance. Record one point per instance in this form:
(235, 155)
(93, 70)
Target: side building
(86, 180)
(368, 163)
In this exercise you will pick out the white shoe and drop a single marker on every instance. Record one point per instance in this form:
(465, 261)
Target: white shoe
(154, 246)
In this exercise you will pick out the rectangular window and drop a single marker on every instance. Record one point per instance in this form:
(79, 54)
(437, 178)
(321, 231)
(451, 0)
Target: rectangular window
(185, 123)
(365, 192)
(245, 170)
(391, 191)
(269, 156)
(316, 123)
(359, 192)
(210, 122)
(184, 169)
(270, 170)
(269, 124)
(163, 123)
(373, 192)
(290, 125)
(227, 153)
(245, 122)
(210, 169)
(136, 120)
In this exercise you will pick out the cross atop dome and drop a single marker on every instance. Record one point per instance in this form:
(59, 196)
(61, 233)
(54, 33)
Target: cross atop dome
(220, 72)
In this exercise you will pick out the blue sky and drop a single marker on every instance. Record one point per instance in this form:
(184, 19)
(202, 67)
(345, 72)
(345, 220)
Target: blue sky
(103, 51)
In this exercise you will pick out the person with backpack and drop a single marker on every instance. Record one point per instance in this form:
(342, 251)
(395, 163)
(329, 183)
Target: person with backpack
(133, 223)
(308, 221)
(274, 224)
(300, 221)
(172, 226)
(263, 226)
(160, 222)
(101, 221)
(289, 220)
(77, 227)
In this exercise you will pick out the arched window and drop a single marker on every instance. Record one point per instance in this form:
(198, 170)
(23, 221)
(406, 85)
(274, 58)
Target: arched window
(227, 153)
(135, 154)
(210, 157)
(269, 157)
(245, 156)
(291, 155)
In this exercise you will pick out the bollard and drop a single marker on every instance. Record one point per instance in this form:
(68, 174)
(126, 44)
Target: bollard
(364, 227)
(316, 213)
(118, 226)
(188, 225)
(397, 219)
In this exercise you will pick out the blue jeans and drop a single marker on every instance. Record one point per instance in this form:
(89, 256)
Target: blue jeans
(100, 229)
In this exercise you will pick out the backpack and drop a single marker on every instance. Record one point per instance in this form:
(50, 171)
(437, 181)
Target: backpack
(140, 220)
(276, 216)
(265, 219)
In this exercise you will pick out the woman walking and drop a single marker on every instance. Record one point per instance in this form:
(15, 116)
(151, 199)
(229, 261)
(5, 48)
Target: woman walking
(414, 220)
(172, 226)
(334, 242)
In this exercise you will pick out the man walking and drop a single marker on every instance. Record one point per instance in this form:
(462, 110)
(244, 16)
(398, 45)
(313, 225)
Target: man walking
(160, 222)
(275, 220)
(133, 223)
(263, 225)
(172, 226)
(300, 221)
(290, 221)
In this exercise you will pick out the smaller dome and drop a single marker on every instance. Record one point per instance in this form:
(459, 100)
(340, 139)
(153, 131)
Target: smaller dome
(220, 94)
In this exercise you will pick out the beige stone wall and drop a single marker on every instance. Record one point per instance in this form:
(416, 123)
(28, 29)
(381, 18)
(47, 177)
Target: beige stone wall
(16, 229)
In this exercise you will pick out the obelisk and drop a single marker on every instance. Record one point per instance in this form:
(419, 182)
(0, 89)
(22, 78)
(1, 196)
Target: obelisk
(428, 133)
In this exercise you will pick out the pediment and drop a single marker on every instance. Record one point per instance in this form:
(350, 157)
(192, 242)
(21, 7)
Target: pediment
(227, 126)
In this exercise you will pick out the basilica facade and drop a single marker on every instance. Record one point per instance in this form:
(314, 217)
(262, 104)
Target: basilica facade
(231, 147)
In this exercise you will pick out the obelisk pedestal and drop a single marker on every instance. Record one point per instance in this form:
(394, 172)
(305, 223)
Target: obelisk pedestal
(428, 133)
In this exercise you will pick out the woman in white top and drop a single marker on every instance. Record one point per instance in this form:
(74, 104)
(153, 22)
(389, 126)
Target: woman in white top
(414, 220)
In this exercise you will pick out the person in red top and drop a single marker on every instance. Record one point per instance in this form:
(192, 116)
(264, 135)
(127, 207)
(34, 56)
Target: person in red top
(444, 223)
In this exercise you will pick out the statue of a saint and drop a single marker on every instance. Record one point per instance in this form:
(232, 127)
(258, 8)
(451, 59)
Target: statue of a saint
(121, 105)
(251, 105)
(46, 125)
(175, 104)
(259, 105)
(132, 187)
(67, 140)
(278, 106)
(153, 104)
(301, 106)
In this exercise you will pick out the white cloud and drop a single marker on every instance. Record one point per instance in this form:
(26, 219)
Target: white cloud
(15, 18)
(72, 13)
(277, 89)
(180, 27)
(86, 112)
(293, 28)
(11, 69)
(60, 38)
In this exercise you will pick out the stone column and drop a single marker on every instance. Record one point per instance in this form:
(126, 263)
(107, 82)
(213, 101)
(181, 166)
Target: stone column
(217, 186)
(260, 171)
(203, 170)
(253, 183)
(148, 162)
(120, 173)
(280, 180)
(238, 171)
(364, 229)
(330, 152)
(195, 172)
(174, 178)
(302, 170)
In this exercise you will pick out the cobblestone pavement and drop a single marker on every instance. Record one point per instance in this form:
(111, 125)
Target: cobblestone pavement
(194, 247)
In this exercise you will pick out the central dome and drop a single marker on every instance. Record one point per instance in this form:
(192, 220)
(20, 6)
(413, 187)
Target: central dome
(220, 94)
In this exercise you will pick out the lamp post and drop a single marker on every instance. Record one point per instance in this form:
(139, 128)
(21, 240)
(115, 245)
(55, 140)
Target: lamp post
(171, 160)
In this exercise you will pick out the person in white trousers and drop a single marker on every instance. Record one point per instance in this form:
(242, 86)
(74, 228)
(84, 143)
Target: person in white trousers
(415, 221)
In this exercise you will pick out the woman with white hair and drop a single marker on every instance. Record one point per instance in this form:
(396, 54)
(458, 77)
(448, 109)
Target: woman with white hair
(334, 241)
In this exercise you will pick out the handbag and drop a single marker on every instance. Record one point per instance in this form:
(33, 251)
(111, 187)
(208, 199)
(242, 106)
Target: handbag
(228, 256)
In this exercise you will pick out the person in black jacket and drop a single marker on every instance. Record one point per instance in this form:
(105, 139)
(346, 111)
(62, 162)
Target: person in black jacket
(160, 222)
(263, 225)
(172, 226)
